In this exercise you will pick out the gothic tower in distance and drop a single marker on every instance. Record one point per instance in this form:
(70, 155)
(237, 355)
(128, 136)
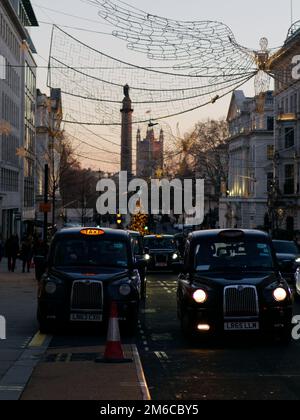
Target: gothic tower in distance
(150, 154)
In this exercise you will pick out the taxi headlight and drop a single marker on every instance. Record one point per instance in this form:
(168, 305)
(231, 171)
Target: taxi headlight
(50, 287)
(280, 294)
(175, 257)
(125, 290)
(200, 296)
(147, 257)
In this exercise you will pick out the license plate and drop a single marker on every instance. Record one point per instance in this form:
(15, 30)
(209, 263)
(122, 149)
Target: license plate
(161, 264)
(241, 326)
(86, 317)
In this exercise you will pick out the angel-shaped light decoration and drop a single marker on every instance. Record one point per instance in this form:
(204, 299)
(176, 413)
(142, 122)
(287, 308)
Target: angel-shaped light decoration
(202, 63)
(203, 47)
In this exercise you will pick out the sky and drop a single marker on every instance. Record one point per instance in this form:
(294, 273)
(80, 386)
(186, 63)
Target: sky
(249, 22)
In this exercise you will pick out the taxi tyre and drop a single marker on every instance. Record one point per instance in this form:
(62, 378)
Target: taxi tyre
(45, 326)
(285, 336)
(144, 291)
(186, 325)
(130, 325)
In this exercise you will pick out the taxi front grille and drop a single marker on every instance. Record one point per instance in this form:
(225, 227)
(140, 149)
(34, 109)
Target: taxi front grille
(240, 301)
(87, 296)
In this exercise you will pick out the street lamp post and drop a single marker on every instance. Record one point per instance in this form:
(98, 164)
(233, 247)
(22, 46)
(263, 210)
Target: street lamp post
(46, 188)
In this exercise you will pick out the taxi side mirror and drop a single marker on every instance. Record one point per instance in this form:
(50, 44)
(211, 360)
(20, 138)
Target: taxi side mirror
(178, 268)
(140, 264)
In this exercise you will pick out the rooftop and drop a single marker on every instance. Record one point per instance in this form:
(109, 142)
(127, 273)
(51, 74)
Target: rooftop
(293, 31)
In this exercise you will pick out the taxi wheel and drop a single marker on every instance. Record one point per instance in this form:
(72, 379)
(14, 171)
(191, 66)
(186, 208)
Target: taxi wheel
(144, 291)
(186, 327)
(285, 337)
(131, 323)
(46, 327)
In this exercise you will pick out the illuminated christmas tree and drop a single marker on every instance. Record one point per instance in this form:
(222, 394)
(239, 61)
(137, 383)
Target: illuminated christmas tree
(139, 221)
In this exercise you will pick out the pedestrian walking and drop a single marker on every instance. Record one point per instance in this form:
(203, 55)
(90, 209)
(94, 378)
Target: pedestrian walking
(12, 251)
(27, 253)
(1, 248)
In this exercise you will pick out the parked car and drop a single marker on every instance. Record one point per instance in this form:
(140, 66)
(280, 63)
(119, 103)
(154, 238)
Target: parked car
(85, 271)
(139, 254)
(288, 256)
(230, 282)
(297, 285)
(162, 252)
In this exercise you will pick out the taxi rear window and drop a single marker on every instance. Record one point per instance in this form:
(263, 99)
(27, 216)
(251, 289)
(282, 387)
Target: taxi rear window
(90, 251)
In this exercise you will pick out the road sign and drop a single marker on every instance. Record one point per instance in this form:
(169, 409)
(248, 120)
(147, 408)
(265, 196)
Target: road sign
(45, 208)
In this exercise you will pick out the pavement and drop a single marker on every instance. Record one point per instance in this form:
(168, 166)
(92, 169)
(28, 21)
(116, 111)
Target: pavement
(18, 306)
(39, 367)
(74, 375)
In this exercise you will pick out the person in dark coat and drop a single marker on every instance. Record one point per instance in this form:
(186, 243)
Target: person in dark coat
(27, 253)
(12, 251)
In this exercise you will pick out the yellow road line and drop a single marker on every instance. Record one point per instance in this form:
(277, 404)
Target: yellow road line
(38, 340)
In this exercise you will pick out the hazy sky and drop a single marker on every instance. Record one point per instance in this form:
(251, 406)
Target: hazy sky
(249, 21)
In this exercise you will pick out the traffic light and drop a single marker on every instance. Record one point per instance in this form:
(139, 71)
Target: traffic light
(119, 221)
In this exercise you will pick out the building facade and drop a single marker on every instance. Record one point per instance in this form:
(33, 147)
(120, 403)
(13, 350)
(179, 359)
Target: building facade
(49, 149)
(17, 109)
(286, 194)
(150, 154)
(251, 152)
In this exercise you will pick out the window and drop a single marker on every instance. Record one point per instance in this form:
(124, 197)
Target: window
(2, 68)
(270, 123)
(270, 180)
(90, 252)
(9, 180)
(289, 185)
(213, 255)
(270, 152)
(289, 136)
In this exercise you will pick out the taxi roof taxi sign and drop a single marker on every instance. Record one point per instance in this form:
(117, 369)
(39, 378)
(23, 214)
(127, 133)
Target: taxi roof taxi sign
(92, 232)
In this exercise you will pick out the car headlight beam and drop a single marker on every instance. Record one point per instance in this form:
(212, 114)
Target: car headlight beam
(200, 296)
(280, 294)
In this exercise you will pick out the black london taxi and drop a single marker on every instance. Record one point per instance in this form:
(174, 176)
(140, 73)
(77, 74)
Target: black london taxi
(85, 271)
(288, 257)
(161, 252)
(230, 282)
(140, 257)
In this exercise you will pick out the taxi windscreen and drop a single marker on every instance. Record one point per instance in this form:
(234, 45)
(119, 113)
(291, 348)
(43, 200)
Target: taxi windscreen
(90, 252)
(238, 255)
(160, 243)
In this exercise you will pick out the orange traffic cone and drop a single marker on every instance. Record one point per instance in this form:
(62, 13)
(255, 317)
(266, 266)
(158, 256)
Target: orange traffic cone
(113, 351)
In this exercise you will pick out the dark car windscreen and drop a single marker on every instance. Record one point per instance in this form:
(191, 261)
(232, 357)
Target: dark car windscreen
(285, 247)
(160, 243)
(219, 255)
(90, 252)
